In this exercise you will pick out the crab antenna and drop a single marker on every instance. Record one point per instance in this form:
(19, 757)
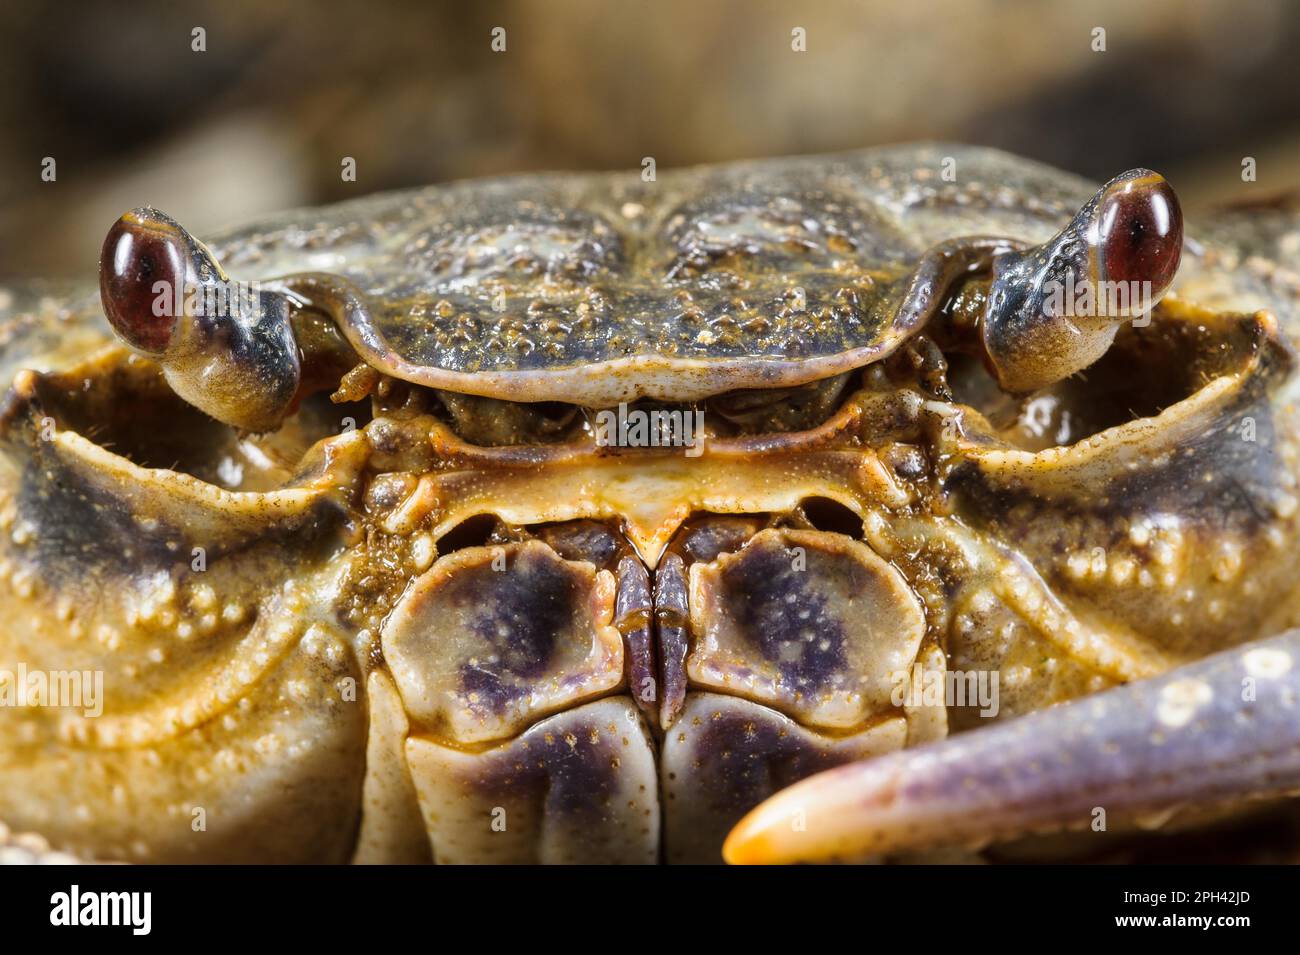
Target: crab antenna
(1055, 308)
(1219, 730)
(225, 347)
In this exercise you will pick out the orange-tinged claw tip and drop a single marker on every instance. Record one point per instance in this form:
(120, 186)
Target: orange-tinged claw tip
(823, 818)
(748, 842)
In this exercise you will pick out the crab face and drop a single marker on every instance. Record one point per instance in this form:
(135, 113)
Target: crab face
(569, 518)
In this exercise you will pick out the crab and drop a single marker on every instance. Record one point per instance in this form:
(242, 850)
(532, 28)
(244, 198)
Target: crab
(583, 518)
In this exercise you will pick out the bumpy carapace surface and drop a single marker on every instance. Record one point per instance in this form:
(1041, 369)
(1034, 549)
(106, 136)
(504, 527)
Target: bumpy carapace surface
(568, 518)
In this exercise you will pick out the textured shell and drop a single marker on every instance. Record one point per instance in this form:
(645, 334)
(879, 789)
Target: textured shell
(614, 287)
(597, 287)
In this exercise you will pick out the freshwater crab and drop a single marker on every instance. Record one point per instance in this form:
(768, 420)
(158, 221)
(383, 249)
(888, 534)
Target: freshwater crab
(366, 578)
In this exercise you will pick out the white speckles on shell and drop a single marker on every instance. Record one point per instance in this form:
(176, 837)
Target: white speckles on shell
(203, 597)
(227, 761)
(320, 643)
(1180, 701)
(109, 637)
(1226, 563)
(1078, 566)
(24, 584)
(164, 588)
(1122, 570)
(423, 551)
(1266, 663)
(1017, 675)
(63, 607)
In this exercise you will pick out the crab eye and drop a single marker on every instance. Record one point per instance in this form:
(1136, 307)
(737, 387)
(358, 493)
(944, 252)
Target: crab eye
(225, 349)
(1140, 231)
(142, 271)
(1037, 329)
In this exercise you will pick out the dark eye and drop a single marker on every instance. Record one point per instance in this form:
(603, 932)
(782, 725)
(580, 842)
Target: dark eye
(1140, 232)
(139, 253)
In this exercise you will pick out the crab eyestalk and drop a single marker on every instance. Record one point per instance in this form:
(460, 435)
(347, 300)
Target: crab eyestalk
(1054, 309)
(226, 348)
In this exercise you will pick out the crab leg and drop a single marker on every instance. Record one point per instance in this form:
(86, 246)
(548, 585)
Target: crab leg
(1215, 731)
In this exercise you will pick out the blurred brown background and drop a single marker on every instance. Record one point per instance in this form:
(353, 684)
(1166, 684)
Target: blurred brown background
(413, 90)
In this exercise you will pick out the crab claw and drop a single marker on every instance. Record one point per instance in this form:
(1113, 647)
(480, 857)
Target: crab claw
(1055, 308)
(225, 347)
(1205, 735)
